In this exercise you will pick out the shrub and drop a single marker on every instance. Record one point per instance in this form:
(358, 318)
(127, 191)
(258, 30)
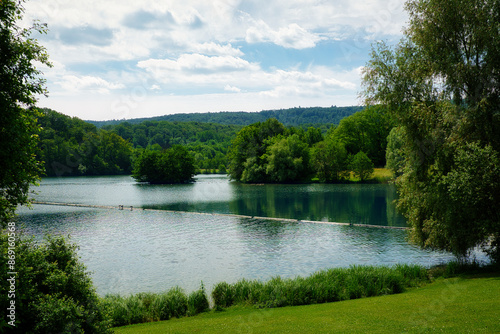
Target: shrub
(222, 295)
(198, 302)
(55, 294)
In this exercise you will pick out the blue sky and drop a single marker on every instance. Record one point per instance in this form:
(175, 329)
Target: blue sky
(127, 59)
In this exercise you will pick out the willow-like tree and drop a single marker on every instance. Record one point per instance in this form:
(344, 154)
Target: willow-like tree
(20, 82)
(442, 83)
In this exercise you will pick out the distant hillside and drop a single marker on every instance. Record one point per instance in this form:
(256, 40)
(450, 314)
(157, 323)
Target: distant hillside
(289, 117)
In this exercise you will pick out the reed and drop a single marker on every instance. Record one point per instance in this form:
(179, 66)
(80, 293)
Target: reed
(321, 287)
(148, 307)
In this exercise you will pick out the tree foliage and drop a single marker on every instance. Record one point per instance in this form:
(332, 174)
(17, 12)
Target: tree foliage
(246, 155)
(441, 82)
(366, 131)
(69, 147)
(288, 159)
(20, 82)
(361, 166)
(269, 152)
(53, 290)
(298, 117)
(173, 165)
(330, 160)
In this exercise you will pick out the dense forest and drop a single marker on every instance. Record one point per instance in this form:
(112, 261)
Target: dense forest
(70, 146)
(299, 117)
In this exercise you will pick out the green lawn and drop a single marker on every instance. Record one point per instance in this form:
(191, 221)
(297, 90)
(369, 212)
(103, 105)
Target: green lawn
(456, 305)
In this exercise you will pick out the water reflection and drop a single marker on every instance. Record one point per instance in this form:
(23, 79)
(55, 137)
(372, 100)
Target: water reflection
(359, 204)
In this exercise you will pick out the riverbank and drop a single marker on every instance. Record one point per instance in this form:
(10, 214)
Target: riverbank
(379, 175)
(453, 305)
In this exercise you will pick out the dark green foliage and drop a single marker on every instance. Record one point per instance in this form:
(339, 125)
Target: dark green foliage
(451, 145)
(330, 160)
(267, 152)
(222, 295)
(246, 155)
(20, 82)
(366, 131)
(54, 292)
(174, 165)
(287, 160)
(69, 146)
(321, 287)
(198, 302)
(361, 166)
(207, 142)
(314, 116)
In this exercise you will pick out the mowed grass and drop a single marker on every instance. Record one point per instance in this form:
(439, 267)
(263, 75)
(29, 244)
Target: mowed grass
(455, 305)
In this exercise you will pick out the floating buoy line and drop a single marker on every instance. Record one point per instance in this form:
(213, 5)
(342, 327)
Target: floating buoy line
(288, 220)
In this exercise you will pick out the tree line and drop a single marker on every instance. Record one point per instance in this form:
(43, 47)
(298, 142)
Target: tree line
(270, 152)
(70, 146)
(299, 116)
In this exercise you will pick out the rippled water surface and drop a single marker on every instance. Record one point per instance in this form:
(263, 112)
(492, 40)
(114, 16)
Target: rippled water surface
(154, 250)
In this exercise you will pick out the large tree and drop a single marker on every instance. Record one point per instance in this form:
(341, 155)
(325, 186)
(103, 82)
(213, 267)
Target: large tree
(20, 82)
(442, 84)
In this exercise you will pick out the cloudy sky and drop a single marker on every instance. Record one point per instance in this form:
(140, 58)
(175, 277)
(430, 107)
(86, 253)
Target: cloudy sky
(116, 59)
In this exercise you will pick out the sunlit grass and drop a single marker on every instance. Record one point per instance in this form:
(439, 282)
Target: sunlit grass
(456, 305)
(380, 175)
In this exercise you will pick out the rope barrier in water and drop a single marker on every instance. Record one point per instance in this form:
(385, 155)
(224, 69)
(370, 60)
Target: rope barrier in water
(131, 208)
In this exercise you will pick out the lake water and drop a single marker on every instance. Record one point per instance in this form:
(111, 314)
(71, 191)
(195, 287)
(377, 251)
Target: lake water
(154, 249)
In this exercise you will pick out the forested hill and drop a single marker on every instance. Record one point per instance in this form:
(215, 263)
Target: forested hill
(313, 116)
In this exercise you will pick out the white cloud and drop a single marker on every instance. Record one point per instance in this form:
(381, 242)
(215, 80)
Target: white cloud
(75, 83)
(292, 36)
(214, 49)
(233, 89)
(194, 67)
(211, 50)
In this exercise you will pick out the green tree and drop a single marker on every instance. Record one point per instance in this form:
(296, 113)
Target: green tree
(361, 166)
(366, 131)
(329, 160)
(20, 82)
(247, 150)
(441, 83)
(288, 159)
(174, 165)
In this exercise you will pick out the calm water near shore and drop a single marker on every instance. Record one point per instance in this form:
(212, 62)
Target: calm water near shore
(154, 250)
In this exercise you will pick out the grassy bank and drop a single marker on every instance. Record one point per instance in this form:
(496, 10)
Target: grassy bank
(321, 287)
(454, 305)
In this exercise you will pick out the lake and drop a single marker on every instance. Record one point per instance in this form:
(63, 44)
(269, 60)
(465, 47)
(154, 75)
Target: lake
(215, 230)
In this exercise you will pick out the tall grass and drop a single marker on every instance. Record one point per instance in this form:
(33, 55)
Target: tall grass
(321, 287)
(148, 307)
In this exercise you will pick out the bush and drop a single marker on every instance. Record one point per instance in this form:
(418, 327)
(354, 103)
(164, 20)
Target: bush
(222, 295)
(198, 302)
(53, 290)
